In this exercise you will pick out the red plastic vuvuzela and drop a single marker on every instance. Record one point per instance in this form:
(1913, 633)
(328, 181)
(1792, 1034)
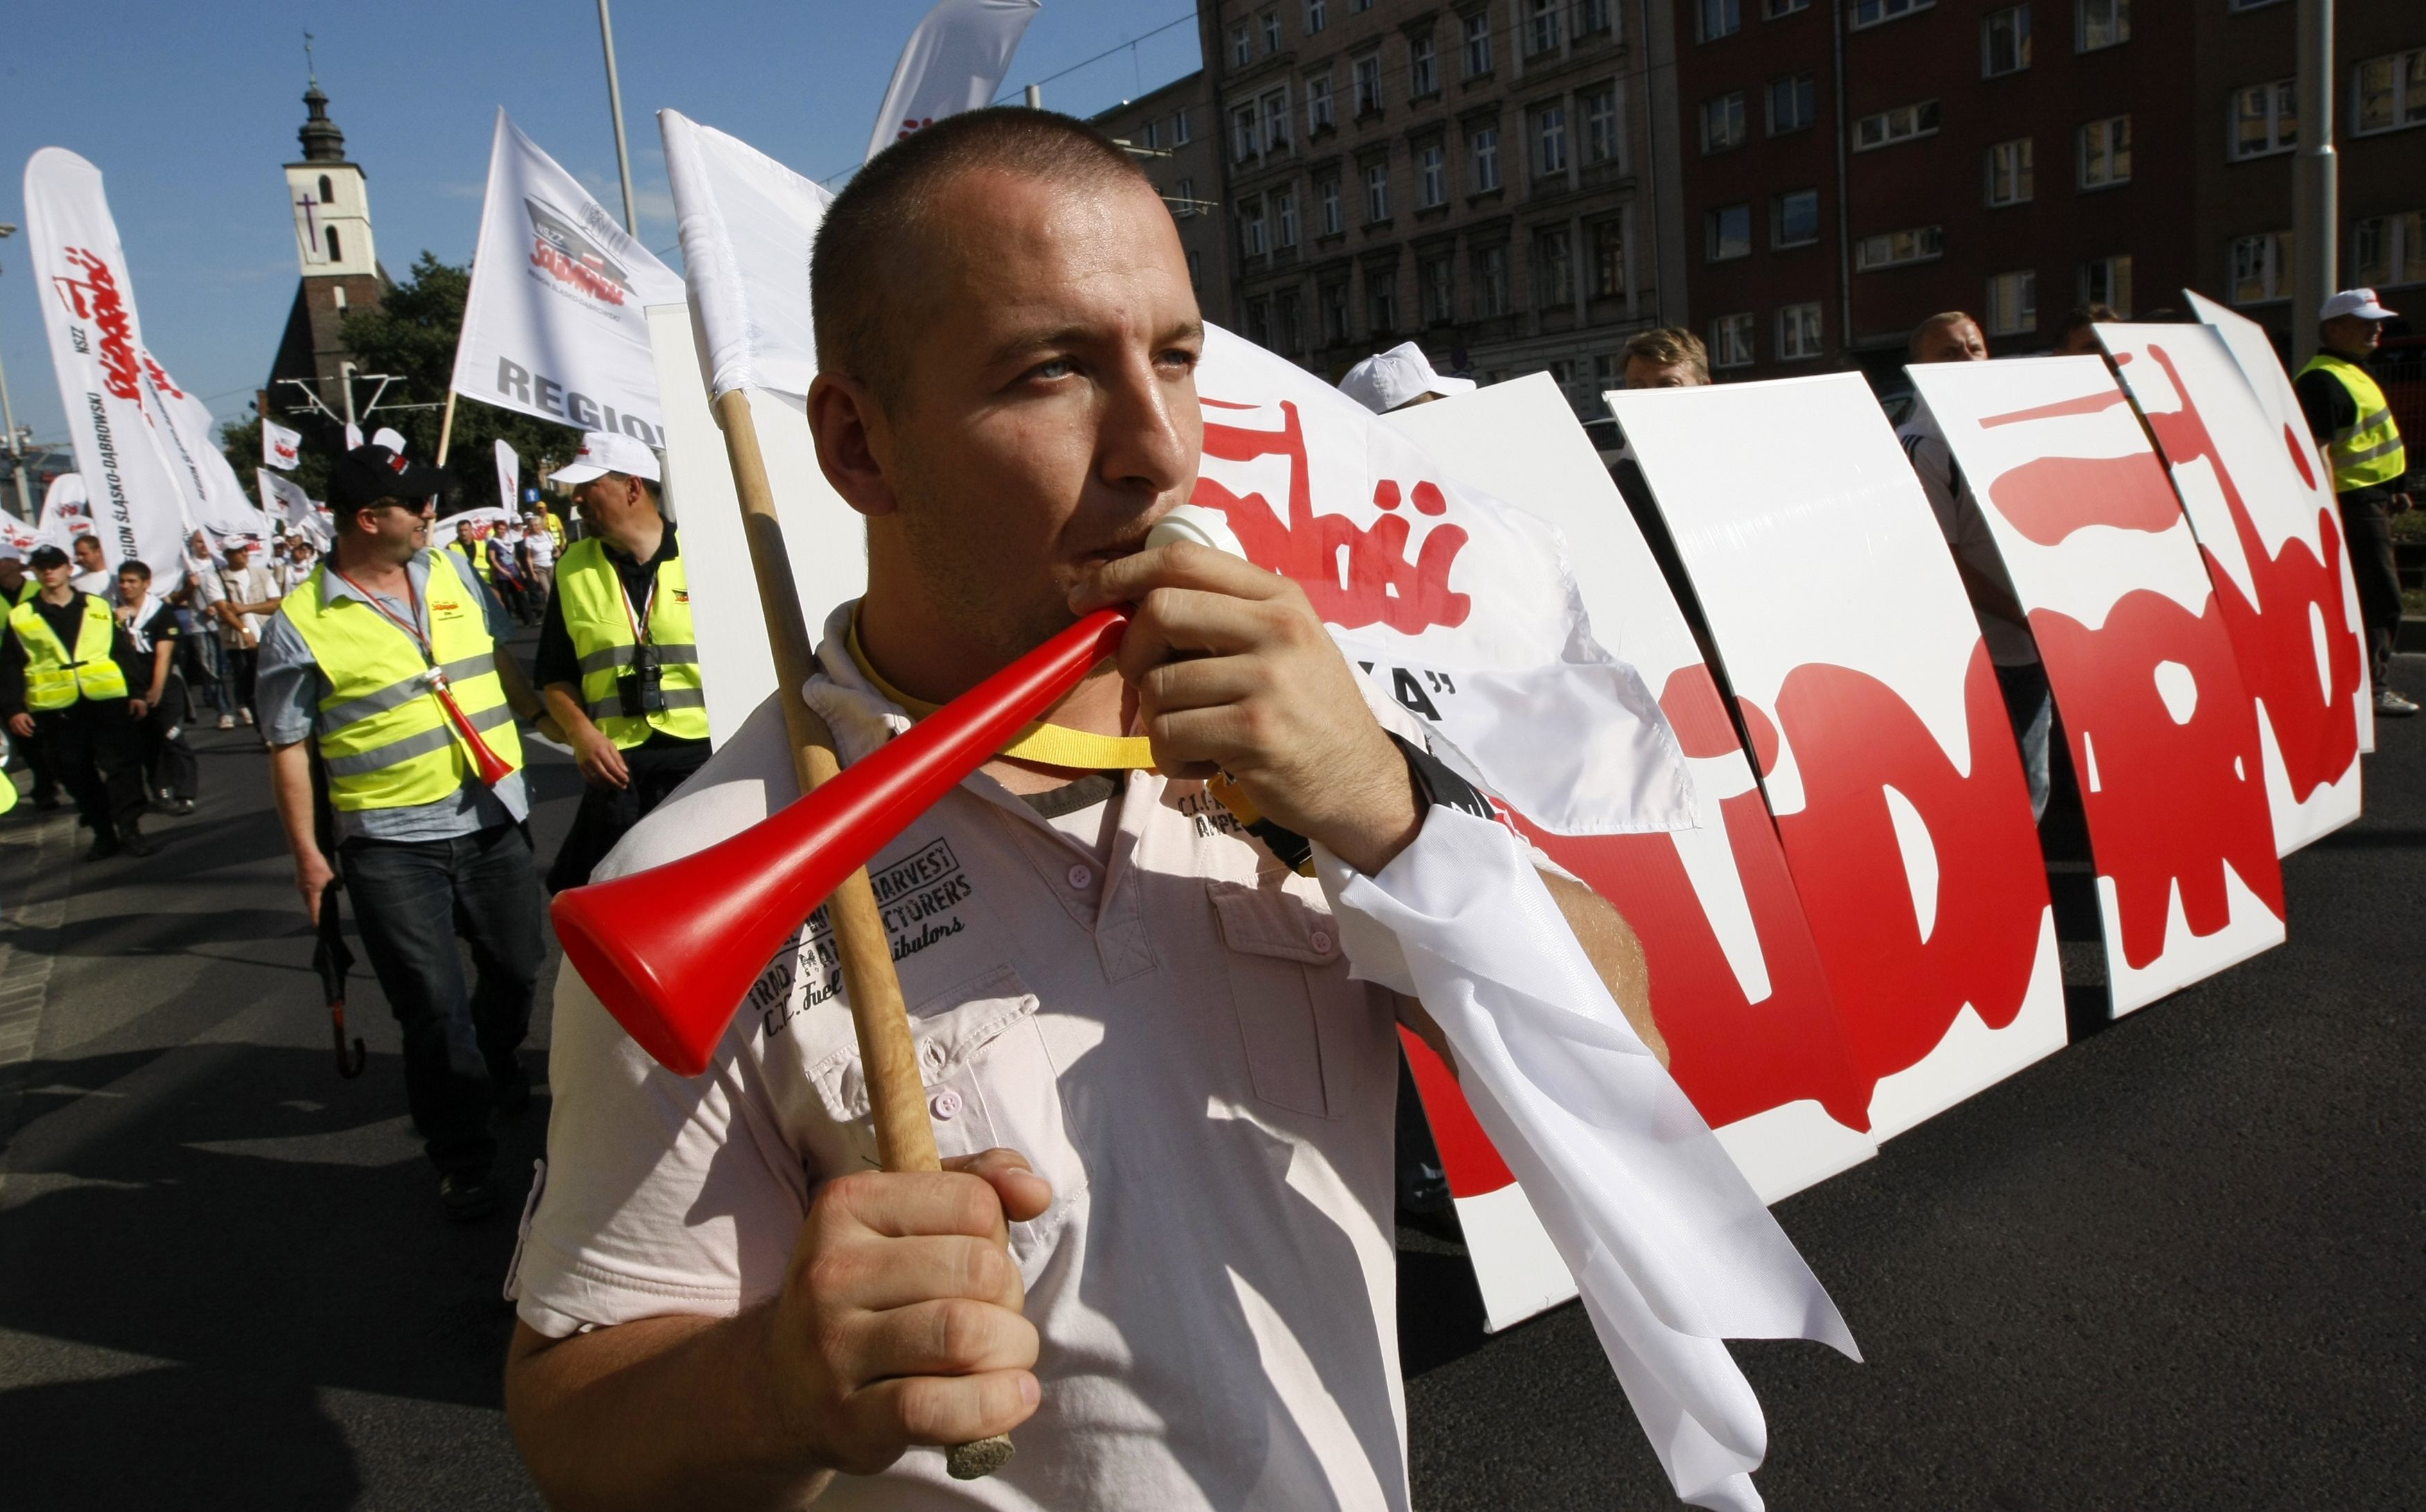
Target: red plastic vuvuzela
(673, 950)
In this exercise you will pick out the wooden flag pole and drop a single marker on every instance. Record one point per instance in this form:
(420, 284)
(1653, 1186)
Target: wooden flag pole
(897, 1096)
(446, 428)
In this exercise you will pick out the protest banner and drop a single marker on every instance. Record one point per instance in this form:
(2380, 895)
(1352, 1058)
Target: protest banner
(281, 448)
(954, 61)
(510, 477)
(67, 512)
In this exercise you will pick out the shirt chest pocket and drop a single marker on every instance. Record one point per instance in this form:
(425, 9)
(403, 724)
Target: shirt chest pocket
(1300, 1016)
(988, 1082)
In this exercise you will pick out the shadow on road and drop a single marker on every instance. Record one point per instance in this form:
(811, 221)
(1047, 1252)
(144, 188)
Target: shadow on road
(178, 1437)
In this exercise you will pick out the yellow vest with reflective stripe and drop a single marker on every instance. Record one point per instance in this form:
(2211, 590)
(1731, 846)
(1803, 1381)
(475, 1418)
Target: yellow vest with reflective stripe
(383, 737)
(2367, 451)
(598, 617)
(55, 678)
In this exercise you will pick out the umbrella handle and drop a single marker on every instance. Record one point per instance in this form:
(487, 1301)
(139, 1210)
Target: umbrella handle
(348, 1065)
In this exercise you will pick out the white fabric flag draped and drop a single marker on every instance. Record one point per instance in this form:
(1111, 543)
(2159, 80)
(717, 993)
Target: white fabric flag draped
(452, 530)
(1669, 1245)
(67, 512)
(553, 324)
(215, 499)
(510, 477)
(139, 509)
(293, 506)
(281, 448)
(954, 61)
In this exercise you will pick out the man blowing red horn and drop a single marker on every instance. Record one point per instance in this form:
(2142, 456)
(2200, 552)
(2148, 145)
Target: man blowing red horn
(1162, 1248)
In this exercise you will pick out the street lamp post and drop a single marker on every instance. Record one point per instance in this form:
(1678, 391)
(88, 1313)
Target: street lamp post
(9, 417)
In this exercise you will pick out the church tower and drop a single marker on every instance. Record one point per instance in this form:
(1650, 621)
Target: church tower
(329, 199)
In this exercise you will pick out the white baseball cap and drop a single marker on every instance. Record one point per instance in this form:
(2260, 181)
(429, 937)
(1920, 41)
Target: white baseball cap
(1386, 380)
(608, 451)
(2360, 302)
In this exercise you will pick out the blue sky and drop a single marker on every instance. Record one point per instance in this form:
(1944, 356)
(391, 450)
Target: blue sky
(189, 110)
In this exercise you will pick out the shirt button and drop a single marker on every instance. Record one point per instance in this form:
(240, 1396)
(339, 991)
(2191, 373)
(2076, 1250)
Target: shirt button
(1320, 941)
(1081, 877)
(947, 1105)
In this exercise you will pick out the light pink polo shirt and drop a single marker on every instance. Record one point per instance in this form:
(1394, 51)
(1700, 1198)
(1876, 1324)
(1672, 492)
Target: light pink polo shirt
(1170, 1036)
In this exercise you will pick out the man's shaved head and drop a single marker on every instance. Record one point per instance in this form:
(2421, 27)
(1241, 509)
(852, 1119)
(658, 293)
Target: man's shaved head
(879, 235)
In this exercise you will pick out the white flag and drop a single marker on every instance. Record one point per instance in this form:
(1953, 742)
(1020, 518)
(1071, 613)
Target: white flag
(67, 512)
(353, 436)
(464, 527)
(510, 477)
(96, 347)
(953, 63)
(281, 448)
(292, 504)
(215, 500)
(553, 325)
(392, 439)
(747, 224)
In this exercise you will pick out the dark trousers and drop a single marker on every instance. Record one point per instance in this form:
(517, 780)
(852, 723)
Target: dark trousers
(95, 752)
(46, 783)
(2031, 712)
(2369, 535)
(236, 665)
(168, 760)
(413, 900)
(607, 813)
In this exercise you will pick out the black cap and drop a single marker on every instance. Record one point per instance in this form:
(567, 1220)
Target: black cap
(46, 556)
(366, 474)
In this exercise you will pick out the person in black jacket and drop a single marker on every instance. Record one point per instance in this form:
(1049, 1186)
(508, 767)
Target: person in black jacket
(58, 687)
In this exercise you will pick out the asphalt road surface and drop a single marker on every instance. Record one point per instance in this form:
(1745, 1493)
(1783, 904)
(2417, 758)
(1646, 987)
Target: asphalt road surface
(2176, 1266)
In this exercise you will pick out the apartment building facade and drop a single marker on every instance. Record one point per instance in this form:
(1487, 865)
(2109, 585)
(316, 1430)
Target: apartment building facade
(1171, 132)
(1467, 175)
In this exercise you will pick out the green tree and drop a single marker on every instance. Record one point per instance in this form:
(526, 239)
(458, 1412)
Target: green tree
(411, 335)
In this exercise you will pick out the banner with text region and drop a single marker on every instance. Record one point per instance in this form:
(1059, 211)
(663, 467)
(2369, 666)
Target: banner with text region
(553, 326)
(215, 500)
(137, 500)
(67, 512)
(281, 448)
(953, 63)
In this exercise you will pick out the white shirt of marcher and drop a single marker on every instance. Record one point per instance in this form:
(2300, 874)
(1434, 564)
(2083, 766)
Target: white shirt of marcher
(251, 585)
(1170, 1033)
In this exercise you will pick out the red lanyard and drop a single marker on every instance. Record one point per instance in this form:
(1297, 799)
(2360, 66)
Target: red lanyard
(638, 622)
(411, 627)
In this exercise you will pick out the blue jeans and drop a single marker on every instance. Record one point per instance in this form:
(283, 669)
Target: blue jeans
(412, 899)
(2031, 710)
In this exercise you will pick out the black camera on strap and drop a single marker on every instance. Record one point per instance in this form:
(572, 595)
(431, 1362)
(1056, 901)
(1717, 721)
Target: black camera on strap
(641, 688)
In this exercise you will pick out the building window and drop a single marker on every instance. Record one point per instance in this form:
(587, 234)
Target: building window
(1376, 192)
(2265, 120)
(1242, 45)
(2105, 153)
(1318, 104)
(1728, 233)
(1794, 219)
(1594, 16)
(1793, 103)
(1798, 333)
(2013, 303)
(335, 255)
(1149, 143)
(1381, 302)
(1276, 121)
(1871, 12)
(1334, 312)
(337, 295)
(1549, 141)
(1553, 269)
(2107, 281)
(1183, 199)
(1491, 281)
(1272, 31)
(1242, 134)
(1478, 45)
(1893, 248)
(1318, 15)
(2388, 93)
(1714, 19)
(1369, 83)
(2390, 250)
(1292, 324)
(1259, 322)
(1901, 124)
(2237, 5)
(1326, 203)
(1609, 259)
(2262, 267)
(1484, 145)
(1423, 69)
(1432, 176)
(1195, 270)
(1251, 228)
(1600, 126)
(328, 190)
(1731, 341)
(1722, 122)
(1285, 206)
(2005, 42)
(1775, 8)
(2101, 23)
(1179, 133)
(1542, 28)
(2009, 173)
(1438, 277)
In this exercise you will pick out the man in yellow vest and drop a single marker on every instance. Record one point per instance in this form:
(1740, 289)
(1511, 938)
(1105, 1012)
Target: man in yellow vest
(386, 665)
(617, 662)
(2352, 425)
(65, 671)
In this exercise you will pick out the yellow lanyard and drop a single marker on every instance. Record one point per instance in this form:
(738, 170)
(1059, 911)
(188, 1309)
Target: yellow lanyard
(1052, 745)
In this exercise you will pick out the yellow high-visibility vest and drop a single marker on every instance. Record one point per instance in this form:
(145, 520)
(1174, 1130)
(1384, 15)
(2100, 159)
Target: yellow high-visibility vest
(56, 678)
(384, 735)
(598, 616)
(2367, 451)
(26, 589)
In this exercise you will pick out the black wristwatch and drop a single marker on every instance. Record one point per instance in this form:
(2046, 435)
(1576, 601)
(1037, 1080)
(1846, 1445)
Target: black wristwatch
(1434, 781)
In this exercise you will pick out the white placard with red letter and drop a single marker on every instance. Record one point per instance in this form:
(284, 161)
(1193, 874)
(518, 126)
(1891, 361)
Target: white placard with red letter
(1884, 745)
(1740, 993)
(2263, 509)
(2164, 737)
(281, 448)
(954, 61)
